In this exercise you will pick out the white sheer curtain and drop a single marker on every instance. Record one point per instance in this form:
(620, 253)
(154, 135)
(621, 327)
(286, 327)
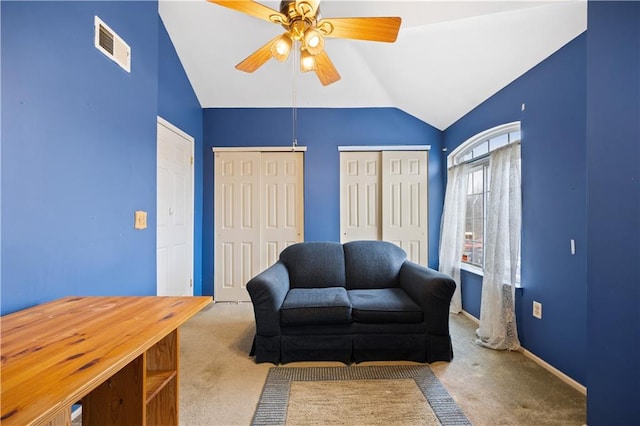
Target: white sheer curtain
(502, 249)
(452, 229)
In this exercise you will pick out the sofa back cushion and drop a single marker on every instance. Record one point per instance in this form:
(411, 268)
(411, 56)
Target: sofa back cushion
(314, 264)
(372, 264)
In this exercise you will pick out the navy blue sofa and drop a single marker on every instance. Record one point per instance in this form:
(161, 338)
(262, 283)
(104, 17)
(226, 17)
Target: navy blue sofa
(352, 302)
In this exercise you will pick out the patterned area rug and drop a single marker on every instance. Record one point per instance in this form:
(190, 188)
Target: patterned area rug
(371, 395)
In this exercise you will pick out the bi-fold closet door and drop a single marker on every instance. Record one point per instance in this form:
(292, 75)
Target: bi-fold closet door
(259, 210)
(383, 196)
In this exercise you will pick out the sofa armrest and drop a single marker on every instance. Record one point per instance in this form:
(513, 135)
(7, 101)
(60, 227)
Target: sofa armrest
(268, 290)
(432, 290)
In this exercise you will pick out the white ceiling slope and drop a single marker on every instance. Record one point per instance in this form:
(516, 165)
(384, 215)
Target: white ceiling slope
(450, 56)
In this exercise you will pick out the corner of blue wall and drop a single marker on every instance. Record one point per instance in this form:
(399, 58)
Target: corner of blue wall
(613, 203)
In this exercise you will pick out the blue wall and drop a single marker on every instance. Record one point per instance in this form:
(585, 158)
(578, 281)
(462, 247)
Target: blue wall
(553, 199)
(78, 152)
(79, 149)
(178, 104)
(471, 291)
(321, 131)
(613, 222)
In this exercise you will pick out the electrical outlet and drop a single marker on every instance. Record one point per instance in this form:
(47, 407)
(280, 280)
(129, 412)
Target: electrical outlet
(537, 309)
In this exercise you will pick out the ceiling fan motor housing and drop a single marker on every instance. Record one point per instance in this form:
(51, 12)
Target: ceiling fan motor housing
(301, 16)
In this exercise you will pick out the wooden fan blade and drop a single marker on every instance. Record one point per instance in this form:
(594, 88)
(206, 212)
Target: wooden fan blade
(325, 70)
(254, 9)
(372, 29)
(257, 58)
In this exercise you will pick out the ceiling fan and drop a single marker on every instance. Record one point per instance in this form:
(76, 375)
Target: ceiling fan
(302, 23)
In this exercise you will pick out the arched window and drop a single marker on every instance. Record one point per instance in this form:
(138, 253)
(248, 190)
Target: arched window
(479, 146)
(475, 153)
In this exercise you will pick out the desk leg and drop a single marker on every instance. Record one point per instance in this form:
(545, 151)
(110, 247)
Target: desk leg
(119, 401)
(63, 418)
(162, 382)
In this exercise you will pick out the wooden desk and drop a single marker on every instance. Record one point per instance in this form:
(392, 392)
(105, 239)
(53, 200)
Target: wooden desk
(119, 355)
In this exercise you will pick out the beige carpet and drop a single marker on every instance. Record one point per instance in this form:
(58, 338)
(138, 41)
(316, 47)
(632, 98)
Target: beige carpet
(221, 385)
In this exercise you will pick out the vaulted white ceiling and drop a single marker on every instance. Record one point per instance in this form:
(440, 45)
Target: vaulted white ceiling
(450, 56)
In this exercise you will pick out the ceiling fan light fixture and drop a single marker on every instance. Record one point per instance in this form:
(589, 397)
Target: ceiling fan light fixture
(314, 41)
(307, 62)
(281, 48)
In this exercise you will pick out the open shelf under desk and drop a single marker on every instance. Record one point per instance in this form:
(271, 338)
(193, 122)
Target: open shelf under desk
(156, 381)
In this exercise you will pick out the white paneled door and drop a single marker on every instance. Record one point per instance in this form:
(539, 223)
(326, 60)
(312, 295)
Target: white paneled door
(282, 203)
(174, 227)
(404, 202)
(237, 223)
(360, 196)
(258, 212)
(383, 196)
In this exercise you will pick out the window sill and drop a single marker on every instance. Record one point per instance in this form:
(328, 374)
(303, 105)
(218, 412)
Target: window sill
(471, 268)
(478, 271)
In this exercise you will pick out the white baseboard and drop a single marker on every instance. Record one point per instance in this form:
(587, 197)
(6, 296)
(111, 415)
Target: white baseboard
(471, 317)
(76, 413)
(568, 380)
(550, 368)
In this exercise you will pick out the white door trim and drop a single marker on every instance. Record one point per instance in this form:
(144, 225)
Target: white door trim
(259, 148)
(174, 129)
(161, 121)
(351, 148)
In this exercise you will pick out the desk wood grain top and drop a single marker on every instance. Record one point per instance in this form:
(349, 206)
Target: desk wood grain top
(54, 354)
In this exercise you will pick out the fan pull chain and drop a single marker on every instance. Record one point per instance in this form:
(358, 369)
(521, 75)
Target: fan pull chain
(294, 110)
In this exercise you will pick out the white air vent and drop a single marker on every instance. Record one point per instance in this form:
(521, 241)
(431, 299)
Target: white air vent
(109, 43)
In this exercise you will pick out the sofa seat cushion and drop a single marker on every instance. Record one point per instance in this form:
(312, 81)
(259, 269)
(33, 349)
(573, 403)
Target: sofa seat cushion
(304, 306)
(384, 305)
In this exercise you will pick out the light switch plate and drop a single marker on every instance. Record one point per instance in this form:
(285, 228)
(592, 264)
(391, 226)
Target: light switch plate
(140, 220)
